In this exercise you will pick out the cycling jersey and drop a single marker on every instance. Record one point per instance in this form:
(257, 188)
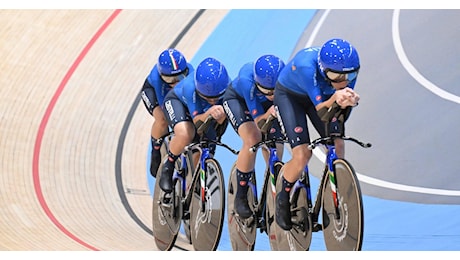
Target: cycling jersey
(244, 86)
(300, 88)
(185, 92)
(183, 104)
(155, 89)
(303, 76)
(244, 102)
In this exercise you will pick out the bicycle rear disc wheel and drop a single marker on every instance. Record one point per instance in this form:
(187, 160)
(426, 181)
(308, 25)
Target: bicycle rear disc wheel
(206, 223)
(242, 232)
(166, 215)
(345, 232)
(299, 237)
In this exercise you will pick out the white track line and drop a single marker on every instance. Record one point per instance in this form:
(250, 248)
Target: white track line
(411, 69)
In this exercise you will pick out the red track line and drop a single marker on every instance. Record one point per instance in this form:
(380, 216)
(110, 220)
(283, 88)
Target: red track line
(44, 122)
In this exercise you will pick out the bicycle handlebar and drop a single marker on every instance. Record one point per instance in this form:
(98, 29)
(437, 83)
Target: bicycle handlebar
(203, 128)
(265, 125)
(254, 148)
(326, 140)
(205, 142)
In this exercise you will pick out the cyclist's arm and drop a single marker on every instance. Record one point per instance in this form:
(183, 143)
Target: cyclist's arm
(326, 104)
(261, 119)
(343, 99)
(216, 111)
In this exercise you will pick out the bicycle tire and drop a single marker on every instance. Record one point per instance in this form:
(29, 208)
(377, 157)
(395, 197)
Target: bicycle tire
(270, 205)
(166, 217)
(206, 227)
(242, 232)
(164, 150)
(345, 233)
(299, 237)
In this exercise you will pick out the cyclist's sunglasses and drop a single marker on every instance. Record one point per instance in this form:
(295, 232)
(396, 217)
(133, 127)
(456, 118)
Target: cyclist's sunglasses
(211, 99)
(337, 77)
(265, 91)
(174, 78)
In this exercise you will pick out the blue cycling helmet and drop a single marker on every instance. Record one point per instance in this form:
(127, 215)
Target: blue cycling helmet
(171, 62)
(266, 70)
(211, 78)
(338, 56)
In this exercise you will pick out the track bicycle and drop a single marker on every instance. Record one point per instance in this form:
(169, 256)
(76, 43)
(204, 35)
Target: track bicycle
(338, 200)
(197, 199)
(243, 231)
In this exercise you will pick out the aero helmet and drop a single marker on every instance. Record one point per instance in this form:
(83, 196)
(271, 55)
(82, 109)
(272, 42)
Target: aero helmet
(339, 56)
(171, 62)
(211, 78)
(266, 70)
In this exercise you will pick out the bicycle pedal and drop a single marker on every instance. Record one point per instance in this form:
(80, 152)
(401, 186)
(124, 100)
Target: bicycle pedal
(262, 224)
(317, 227)
(248, 222)
(186, 215)
(165, 205)
(165, 201)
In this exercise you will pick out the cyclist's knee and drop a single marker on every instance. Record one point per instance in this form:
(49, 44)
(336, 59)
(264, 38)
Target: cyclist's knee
(160, 120)
(301, 155)
(251, 139)
(249, 133)
(184, 130)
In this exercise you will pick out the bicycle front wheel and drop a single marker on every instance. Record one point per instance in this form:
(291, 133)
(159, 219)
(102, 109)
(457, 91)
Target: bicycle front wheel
(299, 237)
(242, 232)
(270, 206)
(207, 217)
(343, 231)
(167, 211)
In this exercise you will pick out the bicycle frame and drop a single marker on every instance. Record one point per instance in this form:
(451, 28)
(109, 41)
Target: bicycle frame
(329, 174)
(198, 172)
(191, 201)
(269, 179)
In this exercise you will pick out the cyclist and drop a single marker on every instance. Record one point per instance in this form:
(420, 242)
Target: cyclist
(318, 82)
(248, 102)
(171, 68)
(188, 105)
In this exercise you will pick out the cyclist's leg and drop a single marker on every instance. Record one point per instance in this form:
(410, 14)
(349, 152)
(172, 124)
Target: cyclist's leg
(245, 127)
(159, 129)
(292, 109)
(159, 126)
(180, 121)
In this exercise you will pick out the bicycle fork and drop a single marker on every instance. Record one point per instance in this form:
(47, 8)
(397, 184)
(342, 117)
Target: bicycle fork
(331, 157)
(330, 176)
(203, 176)
(304, 183)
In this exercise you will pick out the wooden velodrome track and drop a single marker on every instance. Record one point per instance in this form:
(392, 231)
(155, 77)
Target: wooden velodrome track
(68, 80)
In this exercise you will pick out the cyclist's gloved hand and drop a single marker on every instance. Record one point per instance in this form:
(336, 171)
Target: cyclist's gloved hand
(346, 97)
(218, 113)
